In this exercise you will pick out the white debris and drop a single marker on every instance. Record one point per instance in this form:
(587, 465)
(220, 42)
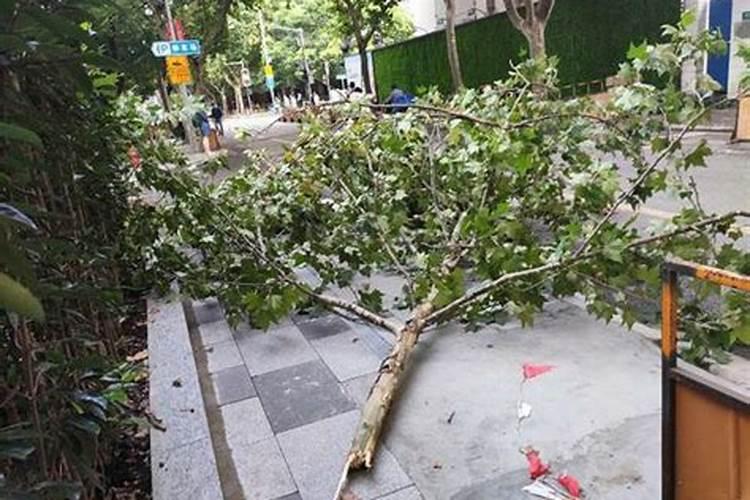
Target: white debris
(524, 411)
(541, 490)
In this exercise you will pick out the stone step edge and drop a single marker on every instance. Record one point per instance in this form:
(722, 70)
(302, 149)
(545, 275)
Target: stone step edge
(183, 462)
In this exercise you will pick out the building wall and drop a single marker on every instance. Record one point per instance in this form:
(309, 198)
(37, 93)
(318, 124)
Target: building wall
(429, 15)
(740, 34)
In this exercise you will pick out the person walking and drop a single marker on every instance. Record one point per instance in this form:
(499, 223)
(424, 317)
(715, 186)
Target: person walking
(218, 114)
(201, 124)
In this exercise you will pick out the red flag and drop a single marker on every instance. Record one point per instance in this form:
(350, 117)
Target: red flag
(531, 370)
(537, 468)
(570, 484)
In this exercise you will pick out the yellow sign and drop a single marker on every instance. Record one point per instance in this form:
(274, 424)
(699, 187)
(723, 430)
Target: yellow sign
(268, 70)
(178, 70)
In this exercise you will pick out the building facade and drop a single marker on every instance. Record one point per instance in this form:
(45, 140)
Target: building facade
(732, 19)
(429, 15)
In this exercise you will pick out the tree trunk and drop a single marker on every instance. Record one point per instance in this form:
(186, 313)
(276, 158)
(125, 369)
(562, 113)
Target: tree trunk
(535, 36)
(384, 391)
(450, 33)
(362, 47)
(238, 102)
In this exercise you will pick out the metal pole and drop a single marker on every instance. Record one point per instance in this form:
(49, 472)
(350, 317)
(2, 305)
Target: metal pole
(186, 123)
(266, 59)
(307, 66)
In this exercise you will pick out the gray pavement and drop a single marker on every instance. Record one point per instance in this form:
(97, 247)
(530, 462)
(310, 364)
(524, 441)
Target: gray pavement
(288, 401)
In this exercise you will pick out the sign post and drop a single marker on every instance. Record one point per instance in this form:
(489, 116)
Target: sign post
(186, 122)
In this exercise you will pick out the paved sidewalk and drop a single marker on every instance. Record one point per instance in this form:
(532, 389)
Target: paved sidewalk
(288, 401)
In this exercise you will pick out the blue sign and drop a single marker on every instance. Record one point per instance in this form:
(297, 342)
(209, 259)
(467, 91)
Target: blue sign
(176, 48)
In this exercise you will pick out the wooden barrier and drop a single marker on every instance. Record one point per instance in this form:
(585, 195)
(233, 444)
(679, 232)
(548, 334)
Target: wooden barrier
(705, 419)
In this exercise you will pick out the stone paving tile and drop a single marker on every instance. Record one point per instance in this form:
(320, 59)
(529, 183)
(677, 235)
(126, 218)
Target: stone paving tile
(293, 496)
(222, 356)
(316, 454)
(346, 355)
(262, 471)
(232, 384)
(214, 332)
(207, 311)
(322, 327)
(277, 348)
(245, 423)
(410, 493)
(359, 388)
(186, 472)
(300, 394)
(379, 341)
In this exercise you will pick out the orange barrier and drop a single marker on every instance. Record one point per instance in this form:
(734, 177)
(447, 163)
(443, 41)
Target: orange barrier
(705, 419)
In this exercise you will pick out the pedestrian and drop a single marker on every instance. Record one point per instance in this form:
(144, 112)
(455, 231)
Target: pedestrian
(218, 114)
(201, 124)
(398, 100)
(355, 91)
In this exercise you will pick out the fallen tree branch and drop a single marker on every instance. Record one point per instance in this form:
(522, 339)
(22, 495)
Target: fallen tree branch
(359, 311)
(626, 195)
(480, 291)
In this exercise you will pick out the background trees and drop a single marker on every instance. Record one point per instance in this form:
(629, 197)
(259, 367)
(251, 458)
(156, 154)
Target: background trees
(362, 19)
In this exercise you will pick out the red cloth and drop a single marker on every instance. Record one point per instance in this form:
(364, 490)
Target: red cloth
(570, 484)
(531, 370)
(537, 468)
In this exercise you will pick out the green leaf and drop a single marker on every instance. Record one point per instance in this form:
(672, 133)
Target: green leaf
(638, 52)
(697, 158)
(16, 298)
(742, 332)
(16, 133)
(12, 213)
(16, 450)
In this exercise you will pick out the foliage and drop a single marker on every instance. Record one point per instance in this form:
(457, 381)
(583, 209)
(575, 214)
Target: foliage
(64, 188)
(493, 201)
(587, 36)
(744, 53)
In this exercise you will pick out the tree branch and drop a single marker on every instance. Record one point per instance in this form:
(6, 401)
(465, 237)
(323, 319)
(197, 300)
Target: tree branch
(544, 9)
(625, 196)
(367, 315)
(513, 15)
(480, 291)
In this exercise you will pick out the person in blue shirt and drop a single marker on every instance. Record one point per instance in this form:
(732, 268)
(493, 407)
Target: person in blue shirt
(398, 99)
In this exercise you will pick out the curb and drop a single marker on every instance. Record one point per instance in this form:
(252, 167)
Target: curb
(183, 464)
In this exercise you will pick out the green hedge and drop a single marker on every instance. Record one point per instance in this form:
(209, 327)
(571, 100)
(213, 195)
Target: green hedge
(590, 37)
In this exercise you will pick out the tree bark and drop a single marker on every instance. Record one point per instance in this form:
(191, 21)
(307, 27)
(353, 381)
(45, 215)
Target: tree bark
(362, 47)
(450, 33)
(536, 39)
(383, 391)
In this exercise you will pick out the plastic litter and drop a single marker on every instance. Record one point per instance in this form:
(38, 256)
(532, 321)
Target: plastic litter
(537, 468)
(570, 484)
(531, 370)
(541, 490)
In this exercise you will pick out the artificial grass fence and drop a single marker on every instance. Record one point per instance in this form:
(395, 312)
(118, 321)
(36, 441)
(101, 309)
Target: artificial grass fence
(589, 37)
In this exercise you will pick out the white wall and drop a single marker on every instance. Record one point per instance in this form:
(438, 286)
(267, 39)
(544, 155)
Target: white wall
(736, 65)
(429, 15)
(423, 14)
(353, 69)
